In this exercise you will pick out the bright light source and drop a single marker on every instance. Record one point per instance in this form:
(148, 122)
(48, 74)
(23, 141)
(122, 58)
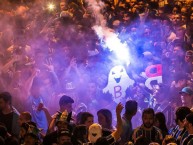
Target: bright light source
(51, 6)
(113, 43)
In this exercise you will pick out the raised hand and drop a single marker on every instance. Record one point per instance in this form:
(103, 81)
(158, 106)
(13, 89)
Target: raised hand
(49, 65)
(119, 108)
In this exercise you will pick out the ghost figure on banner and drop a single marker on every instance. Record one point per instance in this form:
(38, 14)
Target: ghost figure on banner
(118, 83)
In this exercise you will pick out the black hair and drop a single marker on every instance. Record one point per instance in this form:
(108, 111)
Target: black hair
(79, 132)
(65, 100)
(162, 121)
(182, 112)
(131, 107)
(6, 96)
(189, 118)
(148, 111)
(84, 117)
(108, 116)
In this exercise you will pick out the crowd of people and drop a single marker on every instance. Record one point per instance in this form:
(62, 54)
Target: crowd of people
(51, 50)
(63, 128)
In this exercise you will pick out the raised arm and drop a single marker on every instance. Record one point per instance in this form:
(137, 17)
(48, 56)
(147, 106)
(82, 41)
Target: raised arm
(117, 133)
(28, 83)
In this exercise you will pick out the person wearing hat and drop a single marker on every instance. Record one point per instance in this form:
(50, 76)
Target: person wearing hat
(189, 126)
(62, 121)
(26, 127)
(31, 139)
(30, 133)
(187, 97)
(64, 137)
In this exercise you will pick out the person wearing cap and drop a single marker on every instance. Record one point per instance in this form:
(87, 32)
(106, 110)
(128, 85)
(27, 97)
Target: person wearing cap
(187, 96)
(30, 139)
(189, 126)
(180, 81)
(30, 133)
(26, 127)
(64, 137)
(62, 121)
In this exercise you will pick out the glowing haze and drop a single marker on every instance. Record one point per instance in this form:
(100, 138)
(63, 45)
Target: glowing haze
(107, 35)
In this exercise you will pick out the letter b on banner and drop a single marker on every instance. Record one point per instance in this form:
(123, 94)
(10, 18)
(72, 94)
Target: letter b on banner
(117, 91)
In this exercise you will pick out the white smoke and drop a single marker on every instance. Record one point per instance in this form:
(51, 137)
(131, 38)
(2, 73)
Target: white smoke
(107, 35)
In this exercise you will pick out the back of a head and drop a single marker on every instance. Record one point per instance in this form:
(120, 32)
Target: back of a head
(65, 100)
(80, 131)
(161, 117)
(78, 118)
(131, 107)
(6, 96)
(182, 112)
(64, 132)
(189, 118)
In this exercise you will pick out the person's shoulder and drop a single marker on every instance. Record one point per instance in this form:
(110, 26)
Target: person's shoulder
(136, 131)
(156, 128)
(158, 131)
